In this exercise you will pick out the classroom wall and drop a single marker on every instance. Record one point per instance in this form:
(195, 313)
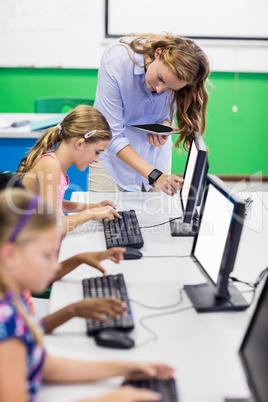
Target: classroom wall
(71, 34)
(237, 141)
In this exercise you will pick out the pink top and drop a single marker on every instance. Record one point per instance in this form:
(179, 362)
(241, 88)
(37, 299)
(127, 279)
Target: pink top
(64, 184)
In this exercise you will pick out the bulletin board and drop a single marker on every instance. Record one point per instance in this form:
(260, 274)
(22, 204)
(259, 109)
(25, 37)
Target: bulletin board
(206, 19)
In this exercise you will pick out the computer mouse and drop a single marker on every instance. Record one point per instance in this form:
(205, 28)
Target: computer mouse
(113, 338)
(132, 254)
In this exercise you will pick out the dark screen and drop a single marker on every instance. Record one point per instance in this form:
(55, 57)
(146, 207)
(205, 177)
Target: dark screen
(158, 128)
(254, 349)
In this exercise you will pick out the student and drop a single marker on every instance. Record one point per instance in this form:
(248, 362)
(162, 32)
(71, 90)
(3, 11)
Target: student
(80, 138)
(28, 246)
(87, 308)
(144, 79)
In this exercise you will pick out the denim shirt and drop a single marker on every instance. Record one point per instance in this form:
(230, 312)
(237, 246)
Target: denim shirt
(124, 99)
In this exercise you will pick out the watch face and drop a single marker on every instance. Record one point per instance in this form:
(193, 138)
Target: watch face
(153, 176)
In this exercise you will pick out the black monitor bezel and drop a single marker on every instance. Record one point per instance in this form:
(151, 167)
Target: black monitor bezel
(198, 178)
(228, 260)
(242, 358)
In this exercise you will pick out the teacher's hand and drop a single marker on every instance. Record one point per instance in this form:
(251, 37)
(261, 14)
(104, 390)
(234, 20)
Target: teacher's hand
(156, 140)
(169, 184)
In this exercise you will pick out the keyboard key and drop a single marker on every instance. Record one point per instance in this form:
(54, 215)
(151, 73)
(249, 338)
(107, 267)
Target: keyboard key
(123, 232)
(167, 388)
(107, 286)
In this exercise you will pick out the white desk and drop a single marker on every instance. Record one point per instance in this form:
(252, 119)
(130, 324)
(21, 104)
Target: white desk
(202, 347)
(24, 131)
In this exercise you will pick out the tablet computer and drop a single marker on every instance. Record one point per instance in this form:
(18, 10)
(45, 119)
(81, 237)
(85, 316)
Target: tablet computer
(160, 129)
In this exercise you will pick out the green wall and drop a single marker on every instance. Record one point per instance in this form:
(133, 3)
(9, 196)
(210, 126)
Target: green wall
(237, 142)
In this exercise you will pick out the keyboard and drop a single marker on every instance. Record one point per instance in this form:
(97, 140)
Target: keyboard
(123, 232)
(165, 387)
(107, 286)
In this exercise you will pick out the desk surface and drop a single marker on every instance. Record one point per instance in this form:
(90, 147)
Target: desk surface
(202, 347)
(24, 131)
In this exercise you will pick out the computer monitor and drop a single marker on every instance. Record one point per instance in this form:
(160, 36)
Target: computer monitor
(192, 190)
(253, 351)
(215, 248)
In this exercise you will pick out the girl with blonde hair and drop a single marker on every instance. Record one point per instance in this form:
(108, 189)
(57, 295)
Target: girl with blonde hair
(149, 79)
(78, 140)
(28, 259)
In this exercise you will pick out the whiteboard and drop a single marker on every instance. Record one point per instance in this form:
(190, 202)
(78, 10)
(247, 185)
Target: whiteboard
(234, 19)
(51, 33)
(71, 33)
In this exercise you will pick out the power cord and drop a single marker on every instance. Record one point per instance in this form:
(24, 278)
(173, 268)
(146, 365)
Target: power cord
(252, 285)
(159, 308)
(154, 336)
(159, 224)
(255, 284)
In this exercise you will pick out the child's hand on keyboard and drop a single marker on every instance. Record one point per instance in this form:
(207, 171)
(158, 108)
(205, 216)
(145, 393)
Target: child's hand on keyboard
(105, 203)
(115, 254)
(96, 309)
(99, 213)
(140, 371)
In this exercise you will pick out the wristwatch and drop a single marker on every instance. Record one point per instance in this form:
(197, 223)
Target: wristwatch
(153, 176)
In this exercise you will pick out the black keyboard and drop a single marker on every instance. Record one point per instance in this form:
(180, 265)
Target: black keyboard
(123, 232)
(107, 286)
(167, 388)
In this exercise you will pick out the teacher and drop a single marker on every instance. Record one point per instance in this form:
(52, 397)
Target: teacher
(148, 79)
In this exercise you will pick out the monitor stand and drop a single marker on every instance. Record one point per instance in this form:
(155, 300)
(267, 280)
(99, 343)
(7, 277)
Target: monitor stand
(179, 229)
(204, 300)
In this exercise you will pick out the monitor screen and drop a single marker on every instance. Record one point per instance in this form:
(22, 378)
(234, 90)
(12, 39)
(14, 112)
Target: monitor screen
(212, 239)
(253, 351)
(188, 174)
(194, 177)
(191, 193)
(215, 247)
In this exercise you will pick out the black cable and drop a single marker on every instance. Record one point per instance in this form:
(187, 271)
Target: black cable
(252, 285)
(159, 224)
(233, 279)
(255, 284)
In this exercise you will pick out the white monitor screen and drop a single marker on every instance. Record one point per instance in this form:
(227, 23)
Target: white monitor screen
(213, 232)
(189, 175)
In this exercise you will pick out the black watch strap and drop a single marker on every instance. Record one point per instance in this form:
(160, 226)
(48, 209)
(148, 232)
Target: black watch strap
(153, 176)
